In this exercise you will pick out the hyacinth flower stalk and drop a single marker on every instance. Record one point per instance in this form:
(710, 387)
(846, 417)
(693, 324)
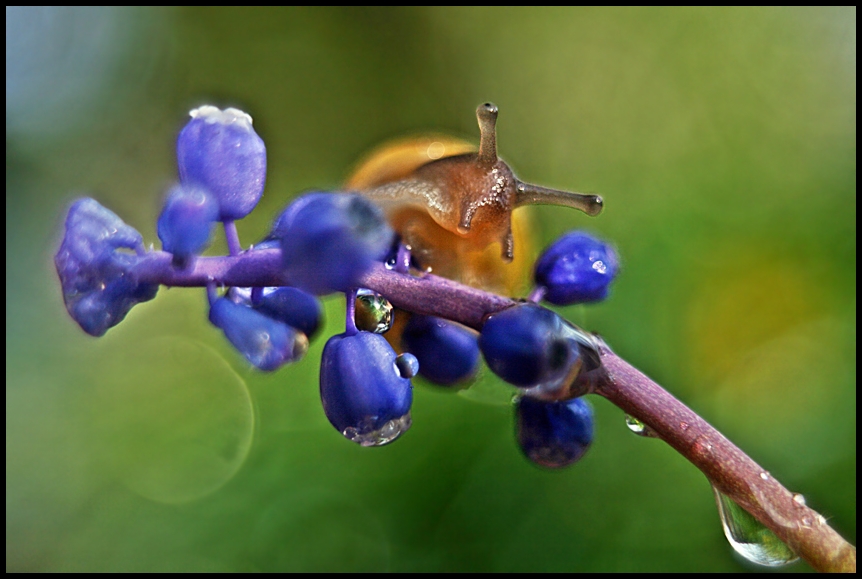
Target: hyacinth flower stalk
(338, 242)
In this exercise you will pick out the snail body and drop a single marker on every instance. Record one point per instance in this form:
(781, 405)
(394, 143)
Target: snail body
(451, 204)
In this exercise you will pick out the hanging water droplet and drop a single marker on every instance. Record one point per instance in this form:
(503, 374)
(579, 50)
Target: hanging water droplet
(749, 537)
(640, 428)
(383, 435)
(373, 312)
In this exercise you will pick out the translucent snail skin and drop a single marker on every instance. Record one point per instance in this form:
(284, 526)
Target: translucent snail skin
(450, 204)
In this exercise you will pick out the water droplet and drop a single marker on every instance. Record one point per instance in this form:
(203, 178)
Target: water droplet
(798, 499)
(640, 428)
(373, 312)
(749, 537)
(384, 435)
(300, 345)
(406, 365)
(764, 476)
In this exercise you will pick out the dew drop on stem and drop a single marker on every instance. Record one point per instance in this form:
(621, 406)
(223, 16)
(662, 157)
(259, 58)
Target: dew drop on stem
(749, 537)
(640, 428)
(373, 312)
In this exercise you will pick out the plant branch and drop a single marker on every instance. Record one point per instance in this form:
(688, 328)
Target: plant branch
(730, 470)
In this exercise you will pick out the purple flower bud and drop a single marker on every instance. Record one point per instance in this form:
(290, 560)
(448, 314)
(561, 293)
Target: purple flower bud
(363, 392)
(219, 151)
(329, 240)
(186, 222)
(553, 434)
(292, 306)
(98, 287)
(528, 346)
(266, 343)
(447, 353)
(576, 268)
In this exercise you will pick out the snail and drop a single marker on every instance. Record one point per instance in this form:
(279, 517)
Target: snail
(451, 204)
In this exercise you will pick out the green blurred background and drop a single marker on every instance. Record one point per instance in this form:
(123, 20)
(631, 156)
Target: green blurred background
(723, 141)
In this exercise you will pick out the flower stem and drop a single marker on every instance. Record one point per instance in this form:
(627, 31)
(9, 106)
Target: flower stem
(234, 247)
(537, 294)
(729, 469)
(350, 314)
(402, 259)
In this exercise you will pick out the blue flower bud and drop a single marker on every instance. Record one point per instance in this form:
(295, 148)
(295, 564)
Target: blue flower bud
(363, 393)
(220, 152)
(553, 434)
(292, 306)
(186, 222)
(447, 353)
(329, 240)
(576, 268)
(98, 287)
(528, 346)
(266, 343)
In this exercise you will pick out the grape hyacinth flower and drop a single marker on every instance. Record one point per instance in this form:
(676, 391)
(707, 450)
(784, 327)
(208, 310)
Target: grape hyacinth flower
(364, 393)
(291, 306)
(328, 240)
(447, 352)
(529, 346)
(266, 343)
(98, 286)
(220, 152)
(576, 268)
(186, 222)
(553, 434)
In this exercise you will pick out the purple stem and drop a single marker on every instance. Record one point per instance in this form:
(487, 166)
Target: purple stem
(402, 260)
(256, 295)
(726, 466)
(140, 250)
(537, 294)
(350, 315)
(212, 296)
(729, 469)
(232, 235)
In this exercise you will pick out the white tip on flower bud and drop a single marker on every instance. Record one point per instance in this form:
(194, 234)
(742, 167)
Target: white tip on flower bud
(229, 116)
(219, 151)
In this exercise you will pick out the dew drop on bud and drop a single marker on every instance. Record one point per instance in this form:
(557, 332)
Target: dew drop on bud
(383, 435)
(640, 428)
(749, 537)
(300, 345)
(373, 312)
(407, 365)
